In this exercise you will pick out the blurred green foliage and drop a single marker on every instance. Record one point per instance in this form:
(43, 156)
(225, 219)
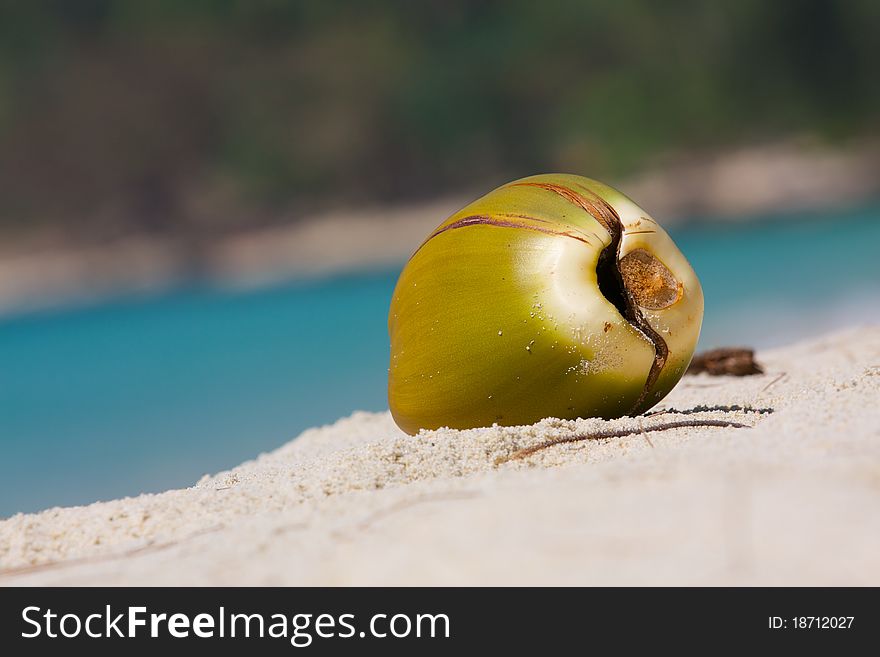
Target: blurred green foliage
(199, 116)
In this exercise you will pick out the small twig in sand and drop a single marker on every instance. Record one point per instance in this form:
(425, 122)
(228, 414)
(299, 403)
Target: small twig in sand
(618, 433)
(774, 381)
(718, 409)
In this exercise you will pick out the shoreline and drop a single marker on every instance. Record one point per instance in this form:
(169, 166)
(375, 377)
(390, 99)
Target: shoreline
(789, 500)
(771, 180)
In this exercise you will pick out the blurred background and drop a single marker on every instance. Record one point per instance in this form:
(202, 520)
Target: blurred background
(204, 205)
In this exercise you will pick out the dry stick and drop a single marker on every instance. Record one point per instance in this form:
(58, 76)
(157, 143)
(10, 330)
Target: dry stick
(618, 433)
(774, 381)
(729, 408)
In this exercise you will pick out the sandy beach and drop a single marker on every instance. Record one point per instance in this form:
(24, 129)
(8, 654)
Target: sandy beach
(791, 499)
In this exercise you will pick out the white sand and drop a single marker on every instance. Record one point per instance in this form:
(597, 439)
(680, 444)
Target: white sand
(793, 500)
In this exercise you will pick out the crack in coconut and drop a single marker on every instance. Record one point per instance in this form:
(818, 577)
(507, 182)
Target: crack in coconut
(625, 286)
(637, 277)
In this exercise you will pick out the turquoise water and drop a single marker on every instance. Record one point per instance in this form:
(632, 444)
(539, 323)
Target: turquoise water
(147, 393)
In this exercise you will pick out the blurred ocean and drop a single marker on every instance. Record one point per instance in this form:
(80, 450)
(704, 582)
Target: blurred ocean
(146, 393)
